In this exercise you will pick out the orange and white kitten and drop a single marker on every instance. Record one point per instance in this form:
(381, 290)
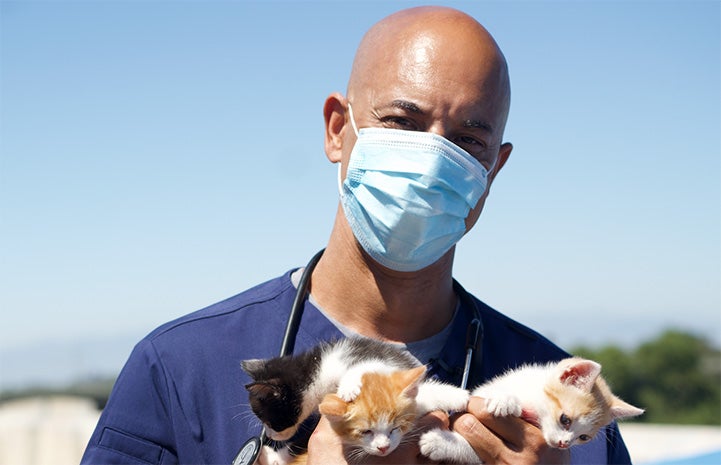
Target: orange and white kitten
(569, 401)
(384, 408)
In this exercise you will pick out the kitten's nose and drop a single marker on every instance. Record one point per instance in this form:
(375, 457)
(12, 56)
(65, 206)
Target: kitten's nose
(382, 449)
(563, 444)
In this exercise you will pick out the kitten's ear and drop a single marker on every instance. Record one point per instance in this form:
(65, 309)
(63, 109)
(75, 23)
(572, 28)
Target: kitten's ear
(621, 409)
(408, 380)
(579, 373)
(262, 390)
(333, 406)
(253, 366)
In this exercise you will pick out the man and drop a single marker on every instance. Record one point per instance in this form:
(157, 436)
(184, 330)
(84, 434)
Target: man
(418, 139)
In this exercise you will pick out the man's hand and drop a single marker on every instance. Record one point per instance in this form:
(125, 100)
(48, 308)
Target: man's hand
(325, 446)
(505, 440)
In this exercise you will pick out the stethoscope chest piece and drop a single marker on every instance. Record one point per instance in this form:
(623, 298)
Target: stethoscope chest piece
(248, 454)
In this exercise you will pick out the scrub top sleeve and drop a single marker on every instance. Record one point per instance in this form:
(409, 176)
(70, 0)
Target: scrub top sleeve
(616, 448)
(136, 424)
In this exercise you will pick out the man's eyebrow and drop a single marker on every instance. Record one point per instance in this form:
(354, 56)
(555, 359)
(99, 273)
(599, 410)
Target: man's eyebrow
(474, 123)
(406, 105)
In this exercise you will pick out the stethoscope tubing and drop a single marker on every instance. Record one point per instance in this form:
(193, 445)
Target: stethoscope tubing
(296, 310)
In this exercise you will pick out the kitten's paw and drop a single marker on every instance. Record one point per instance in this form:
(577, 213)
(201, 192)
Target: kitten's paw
(433, 395)
(504, 406)
(442, 445)
(457, 400)
(350, 386)
(434, 444)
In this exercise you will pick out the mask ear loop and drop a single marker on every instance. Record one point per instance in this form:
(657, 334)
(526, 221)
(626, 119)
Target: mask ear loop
(352, 119)
(340, 182)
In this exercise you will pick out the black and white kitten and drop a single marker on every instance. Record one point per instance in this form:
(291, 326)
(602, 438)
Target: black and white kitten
(287, 390)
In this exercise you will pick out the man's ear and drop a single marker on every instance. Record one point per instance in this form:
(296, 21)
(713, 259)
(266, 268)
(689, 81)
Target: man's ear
(504, 152)
(334, 114)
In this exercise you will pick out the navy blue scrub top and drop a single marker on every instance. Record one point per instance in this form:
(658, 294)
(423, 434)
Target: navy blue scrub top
(181, 398)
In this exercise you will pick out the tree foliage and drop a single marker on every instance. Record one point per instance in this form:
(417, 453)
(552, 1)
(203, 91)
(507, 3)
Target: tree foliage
(97, 389)
(675, 377)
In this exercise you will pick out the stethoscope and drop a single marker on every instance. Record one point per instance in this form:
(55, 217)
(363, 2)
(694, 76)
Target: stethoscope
(474, 347)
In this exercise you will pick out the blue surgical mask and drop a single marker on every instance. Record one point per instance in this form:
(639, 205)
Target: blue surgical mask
(407, 194)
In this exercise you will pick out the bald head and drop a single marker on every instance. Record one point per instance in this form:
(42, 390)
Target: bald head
(436, 48)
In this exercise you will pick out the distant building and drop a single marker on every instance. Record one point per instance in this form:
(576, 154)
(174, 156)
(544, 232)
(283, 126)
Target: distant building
(46, 430)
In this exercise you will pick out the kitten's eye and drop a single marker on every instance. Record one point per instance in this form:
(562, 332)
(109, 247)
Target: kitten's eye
(584, 437)
(367, 432)
(565, 421)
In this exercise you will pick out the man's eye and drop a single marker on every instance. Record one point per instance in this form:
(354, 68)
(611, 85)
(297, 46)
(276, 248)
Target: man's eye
(471, 144)
(468, 140)
(399, 122)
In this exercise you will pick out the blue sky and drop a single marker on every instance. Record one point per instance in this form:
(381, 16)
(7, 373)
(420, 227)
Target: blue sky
(156, 157)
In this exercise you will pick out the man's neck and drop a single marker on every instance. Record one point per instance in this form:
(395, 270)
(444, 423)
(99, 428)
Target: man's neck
(381, 303)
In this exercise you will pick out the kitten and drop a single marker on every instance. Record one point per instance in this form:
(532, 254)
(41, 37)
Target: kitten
(384, 409)
(287, 390)
(569, 399)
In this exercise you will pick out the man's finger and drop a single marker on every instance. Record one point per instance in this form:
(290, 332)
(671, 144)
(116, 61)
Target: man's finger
(433, 420)
(515, 432)
(324, 446)
(487, 445)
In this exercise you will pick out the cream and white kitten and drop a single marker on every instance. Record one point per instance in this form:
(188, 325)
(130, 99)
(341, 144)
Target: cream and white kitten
(569, 399)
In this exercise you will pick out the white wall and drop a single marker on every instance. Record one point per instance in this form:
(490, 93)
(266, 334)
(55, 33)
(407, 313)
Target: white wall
(45, 430)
